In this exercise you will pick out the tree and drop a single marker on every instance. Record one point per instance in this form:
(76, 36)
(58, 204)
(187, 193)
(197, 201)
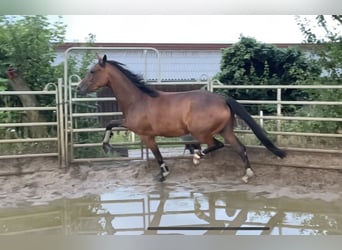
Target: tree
(329, 43)
(249, 62)
(324, 33)
(27, 50)
(79, 64)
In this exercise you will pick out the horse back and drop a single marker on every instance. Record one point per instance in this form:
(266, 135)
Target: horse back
(190, 105)
(198, 98)
(179, 113)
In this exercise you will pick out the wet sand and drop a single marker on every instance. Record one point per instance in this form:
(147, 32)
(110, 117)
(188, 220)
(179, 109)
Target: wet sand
(39, 181)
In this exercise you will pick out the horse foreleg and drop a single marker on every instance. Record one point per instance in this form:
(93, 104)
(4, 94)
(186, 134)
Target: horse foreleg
(200, 154)
(152, 145)
(108, 134)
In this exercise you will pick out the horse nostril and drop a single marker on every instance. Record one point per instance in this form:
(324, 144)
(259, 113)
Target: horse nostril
(81, 91)
(78, 90)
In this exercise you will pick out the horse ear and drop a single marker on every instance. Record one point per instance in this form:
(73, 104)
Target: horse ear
(102, 61)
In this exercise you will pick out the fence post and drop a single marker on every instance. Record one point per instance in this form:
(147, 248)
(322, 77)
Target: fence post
(210, 85)
(278, 112)
(261, 114)
(60, 110)
(145, 65)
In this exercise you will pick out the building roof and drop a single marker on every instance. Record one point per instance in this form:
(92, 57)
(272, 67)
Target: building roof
(175, 46)
(178, 61)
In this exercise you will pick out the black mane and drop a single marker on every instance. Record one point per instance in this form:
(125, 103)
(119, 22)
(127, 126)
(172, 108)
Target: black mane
(137, 80)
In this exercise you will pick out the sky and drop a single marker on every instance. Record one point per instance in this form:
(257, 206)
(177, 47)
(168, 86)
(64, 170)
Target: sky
(182, 28)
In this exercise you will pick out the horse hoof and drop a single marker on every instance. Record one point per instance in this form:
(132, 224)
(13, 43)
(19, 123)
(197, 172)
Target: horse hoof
(157, 177)
(106, 147)
(161, 176)
(196, 159)
(196, 162)
(245, 179)
(249, 172)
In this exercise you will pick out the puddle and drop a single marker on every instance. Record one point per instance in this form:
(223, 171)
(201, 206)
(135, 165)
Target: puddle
(127, 211)
(120, 198)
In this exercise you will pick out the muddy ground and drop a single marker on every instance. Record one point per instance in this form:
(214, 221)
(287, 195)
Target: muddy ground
(39, 181)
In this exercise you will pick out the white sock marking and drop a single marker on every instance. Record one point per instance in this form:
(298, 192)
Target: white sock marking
(106, 137)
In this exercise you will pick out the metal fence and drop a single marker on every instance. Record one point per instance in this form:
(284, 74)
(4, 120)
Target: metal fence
(79, 133)
(83, 133)
(76, 116)
(80, 110)
(279, 103)
(137, 150)
(83, 121)
(15, 141)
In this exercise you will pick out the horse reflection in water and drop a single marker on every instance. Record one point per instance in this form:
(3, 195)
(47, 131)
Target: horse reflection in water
(150, 113)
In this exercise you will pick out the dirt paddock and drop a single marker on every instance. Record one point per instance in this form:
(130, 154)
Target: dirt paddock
(37, 181)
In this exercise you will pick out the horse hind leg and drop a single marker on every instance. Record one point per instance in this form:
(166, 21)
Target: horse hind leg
(241, 150)
(216, 144)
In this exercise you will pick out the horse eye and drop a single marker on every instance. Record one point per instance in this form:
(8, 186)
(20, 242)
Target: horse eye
(92, 71)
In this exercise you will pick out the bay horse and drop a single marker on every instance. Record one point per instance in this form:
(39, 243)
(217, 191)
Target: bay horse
(150, 113)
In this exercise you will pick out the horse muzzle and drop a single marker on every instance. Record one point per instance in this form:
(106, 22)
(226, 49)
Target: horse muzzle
(82, 90)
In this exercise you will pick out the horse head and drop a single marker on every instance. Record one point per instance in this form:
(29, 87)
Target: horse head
(96, 77)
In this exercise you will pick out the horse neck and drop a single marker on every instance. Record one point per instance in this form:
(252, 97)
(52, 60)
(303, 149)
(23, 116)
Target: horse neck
(124, 91)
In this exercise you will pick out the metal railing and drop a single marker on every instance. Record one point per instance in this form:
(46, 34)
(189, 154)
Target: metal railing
(66, 143)
(56, 124)
(212, 86)
(71, 99)
(279, 103)
(73, 129)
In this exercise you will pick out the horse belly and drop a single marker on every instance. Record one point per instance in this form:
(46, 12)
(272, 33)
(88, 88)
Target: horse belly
(170, 128)
(160, 126)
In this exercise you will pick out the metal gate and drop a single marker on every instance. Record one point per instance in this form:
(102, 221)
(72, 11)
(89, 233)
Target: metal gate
(83, 133)
(23, 146)
(280, 119)
(83, 143)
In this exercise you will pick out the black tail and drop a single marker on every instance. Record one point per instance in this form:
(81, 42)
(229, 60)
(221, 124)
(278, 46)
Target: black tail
(258, 131)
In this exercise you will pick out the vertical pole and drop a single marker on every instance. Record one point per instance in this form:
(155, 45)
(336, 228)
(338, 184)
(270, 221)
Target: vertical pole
(132, 137)
(147, 154)
(210, 85)
(142, 151)
(70, 122)
(65, 106)
(278, 112)
(61, 138)
(158, 65)
(145, 65)
(261, 114)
